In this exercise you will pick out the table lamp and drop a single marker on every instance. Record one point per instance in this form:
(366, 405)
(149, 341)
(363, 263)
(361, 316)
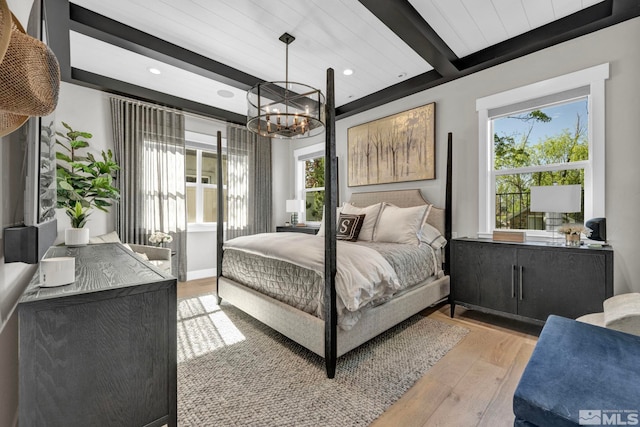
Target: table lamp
(555, 200)
(293, 207)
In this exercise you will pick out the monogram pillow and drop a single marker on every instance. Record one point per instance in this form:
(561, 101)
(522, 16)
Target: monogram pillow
(349, 226)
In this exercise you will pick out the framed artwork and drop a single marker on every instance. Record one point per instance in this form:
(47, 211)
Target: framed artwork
(395, 148)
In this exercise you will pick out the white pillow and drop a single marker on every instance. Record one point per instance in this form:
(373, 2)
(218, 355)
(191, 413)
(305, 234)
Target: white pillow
(431, 236)
(105, 238)
(400, 225)
(321, 230)
(371, 218)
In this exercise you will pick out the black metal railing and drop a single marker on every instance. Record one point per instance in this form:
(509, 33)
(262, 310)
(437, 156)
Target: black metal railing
(513, 212)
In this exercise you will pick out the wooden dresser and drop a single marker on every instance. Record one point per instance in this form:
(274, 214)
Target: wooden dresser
(100, 351)
(530, 280)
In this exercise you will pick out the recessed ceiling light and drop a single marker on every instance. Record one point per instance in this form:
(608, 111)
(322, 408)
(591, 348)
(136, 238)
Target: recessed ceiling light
(347, 71)
(153, 70)
(225, 93)
(402, 75)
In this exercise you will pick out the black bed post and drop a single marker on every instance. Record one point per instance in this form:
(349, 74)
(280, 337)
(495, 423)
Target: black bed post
(330, 203)
(220, 225)
(448, 220)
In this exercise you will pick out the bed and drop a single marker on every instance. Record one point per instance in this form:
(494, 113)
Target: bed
(321, 334)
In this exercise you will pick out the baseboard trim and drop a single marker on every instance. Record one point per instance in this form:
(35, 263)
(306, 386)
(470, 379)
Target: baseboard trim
(201, 274)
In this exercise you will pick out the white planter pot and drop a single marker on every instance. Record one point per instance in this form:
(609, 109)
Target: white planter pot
(76, 236)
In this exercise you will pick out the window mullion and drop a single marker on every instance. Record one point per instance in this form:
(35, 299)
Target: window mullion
(199, 189)
(543, 168)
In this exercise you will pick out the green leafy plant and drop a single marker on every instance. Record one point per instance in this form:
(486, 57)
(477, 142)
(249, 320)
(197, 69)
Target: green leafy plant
(83, 182)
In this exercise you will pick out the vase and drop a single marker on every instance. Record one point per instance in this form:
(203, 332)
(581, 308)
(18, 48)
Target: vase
(76, 236)
(572, 239)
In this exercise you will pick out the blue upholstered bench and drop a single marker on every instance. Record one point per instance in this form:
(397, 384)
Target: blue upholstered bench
(580, 367)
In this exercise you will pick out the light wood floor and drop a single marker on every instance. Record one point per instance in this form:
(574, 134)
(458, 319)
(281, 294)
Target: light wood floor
(472, 385)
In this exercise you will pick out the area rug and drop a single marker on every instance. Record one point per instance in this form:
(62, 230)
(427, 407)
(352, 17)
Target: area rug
(235, 371)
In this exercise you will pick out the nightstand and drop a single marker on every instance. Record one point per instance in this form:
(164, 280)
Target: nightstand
(296, 229)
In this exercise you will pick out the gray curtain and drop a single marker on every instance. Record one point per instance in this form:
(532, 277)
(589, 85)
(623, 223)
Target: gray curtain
(248, 183)
(149, 147)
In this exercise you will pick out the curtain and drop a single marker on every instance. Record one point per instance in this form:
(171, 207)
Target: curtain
(149, 147)
(249, 196)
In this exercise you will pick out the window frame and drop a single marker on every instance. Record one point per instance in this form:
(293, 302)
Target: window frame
(201, 142)
(594, 181)
(300, 156)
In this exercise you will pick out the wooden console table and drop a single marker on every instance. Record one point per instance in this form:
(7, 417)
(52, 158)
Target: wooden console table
(100, 351)
(530, 280)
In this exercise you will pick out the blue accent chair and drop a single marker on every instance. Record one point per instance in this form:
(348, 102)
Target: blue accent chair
(579, 367)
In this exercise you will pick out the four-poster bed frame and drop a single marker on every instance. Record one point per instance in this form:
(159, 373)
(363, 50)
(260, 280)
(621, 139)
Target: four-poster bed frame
(322, 336)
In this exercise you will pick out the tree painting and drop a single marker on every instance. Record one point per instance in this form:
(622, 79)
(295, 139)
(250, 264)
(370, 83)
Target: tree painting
(396, 148)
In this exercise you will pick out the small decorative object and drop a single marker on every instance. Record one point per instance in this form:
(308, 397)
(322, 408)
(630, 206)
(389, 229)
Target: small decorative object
(509, 236)
(83, 182)
(572, 233)
(598, 228)
(57, 271)
(159, 238)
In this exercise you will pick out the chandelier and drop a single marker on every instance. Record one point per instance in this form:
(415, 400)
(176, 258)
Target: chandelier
(285, 109)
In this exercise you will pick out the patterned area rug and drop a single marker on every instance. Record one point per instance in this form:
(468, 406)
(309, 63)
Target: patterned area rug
(234, 371)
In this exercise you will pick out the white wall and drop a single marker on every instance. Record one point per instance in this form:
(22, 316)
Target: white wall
(283, 186)
(86, 110)
(455, 112)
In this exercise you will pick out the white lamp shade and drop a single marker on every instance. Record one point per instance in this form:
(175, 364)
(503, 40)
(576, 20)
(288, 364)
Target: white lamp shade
(556, 198)
(294, 205)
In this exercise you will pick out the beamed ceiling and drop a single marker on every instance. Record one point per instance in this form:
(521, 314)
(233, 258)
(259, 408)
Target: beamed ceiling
(210, 52)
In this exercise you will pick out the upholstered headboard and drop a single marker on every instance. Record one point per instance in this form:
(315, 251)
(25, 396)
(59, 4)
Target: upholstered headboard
(403, 199)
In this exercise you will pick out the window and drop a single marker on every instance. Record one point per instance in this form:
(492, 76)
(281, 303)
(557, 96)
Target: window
(201, 173)
(543, 146)
(310, 181)
(313, 188)
(551, 132)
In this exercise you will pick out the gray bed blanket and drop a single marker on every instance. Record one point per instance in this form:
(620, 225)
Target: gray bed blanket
(303, 288)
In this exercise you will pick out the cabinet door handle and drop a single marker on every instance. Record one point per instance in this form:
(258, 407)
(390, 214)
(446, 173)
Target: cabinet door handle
(513, 280)
(520, 280)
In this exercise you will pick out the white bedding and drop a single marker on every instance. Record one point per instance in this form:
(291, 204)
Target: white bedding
(362, 274)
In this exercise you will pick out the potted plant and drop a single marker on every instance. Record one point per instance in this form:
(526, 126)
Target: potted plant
(572, 233)
(83, 182)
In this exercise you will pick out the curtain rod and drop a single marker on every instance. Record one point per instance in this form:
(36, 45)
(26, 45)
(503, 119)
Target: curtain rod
(170, 109)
